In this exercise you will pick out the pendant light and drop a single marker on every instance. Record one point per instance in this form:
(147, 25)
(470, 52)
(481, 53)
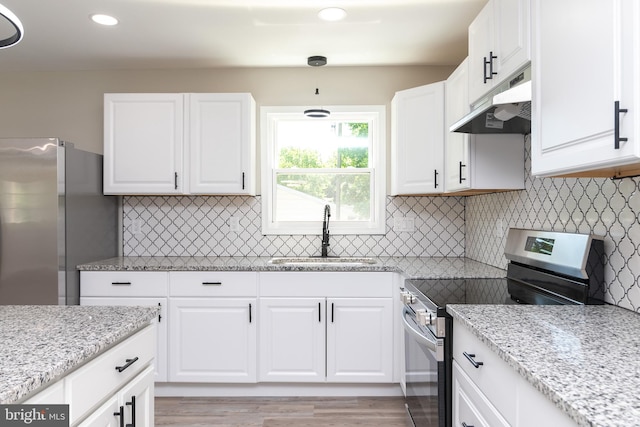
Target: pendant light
(317, 61)
(15, 23)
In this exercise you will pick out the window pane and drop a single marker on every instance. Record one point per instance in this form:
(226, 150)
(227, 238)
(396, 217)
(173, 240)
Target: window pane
(322, 144)
(302, 196)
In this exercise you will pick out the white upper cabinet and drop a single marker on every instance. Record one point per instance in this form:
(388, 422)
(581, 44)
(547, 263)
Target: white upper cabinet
(417, 140)
(143, 143)
(179, 143)
(222, 143)
(499, 44)
(586, 58)
(478, 163)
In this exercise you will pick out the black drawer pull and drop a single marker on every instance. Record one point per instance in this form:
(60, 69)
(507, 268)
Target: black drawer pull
(470, 358)
(121, 415)
(465, 424)
(212, 283)
(126, 365)
(121, 283)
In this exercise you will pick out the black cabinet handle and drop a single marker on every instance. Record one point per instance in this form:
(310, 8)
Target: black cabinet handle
(460, 172)
(249, 312)
(465, 424)
(243, 180)
(489, 62)
(121, 283)
(331, 312)
(470, 358)
(133, 411)
(319, 314)
(121, 415)
(435, 178)
(616, 119)
(126, 365)
(212, 283)
(159, 315)
(175, 181)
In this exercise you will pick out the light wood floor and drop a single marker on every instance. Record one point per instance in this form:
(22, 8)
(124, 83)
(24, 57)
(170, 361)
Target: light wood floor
(280, 411)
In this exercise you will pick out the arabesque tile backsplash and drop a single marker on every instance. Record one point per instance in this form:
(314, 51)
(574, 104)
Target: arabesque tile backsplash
(444, 226)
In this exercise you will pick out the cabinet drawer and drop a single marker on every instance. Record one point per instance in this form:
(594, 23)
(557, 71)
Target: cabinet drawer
(492, 371)
(470, 406)
(92, 383)
(326, 284)
(123, 283)
(213, 284)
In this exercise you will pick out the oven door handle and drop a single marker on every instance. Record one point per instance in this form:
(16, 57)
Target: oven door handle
(422, 339)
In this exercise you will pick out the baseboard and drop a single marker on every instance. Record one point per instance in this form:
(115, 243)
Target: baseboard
(275, 390)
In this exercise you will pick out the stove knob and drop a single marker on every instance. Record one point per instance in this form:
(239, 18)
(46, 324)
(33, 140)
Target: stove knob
(422, 316)
(408, 298)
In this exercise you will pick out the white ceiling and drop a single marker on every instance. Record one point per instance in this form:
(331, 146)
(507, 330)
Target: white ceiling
(236, 33)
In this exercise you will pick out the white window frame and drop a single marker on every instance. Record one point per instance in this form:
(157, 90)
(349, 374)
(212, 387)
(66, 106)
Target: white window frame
(377, 131)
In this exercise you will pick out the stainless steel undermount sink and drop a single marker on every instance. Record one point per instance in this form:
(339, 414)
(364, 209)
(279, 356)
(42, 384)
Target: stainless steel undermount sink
(322, 261)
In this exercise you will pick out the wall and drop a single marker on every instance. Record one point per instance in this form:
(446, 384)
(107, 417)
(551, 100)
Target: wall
(69, 104)
(601, 206)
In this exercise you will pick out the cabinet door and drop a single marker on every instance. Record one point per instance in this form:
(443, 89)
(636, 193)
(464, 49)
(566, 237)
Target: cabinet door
(221, 143)
(292, 339)
(512, 36)
(212, 340)
(137, 399)
(481, 37)
(143, 142)
(417, 145)
(499, 44)
(457, 144)
(160, 361)
(359, 340)
(581, 67)
(105, 415)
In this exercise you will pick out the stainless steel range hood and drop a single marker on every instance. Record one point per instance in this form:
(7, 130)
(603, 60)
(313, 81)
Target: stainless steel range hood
(506, 109)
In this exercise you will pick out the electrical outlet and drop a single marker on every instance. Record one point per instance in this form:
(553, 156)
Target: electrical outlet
(136, 227)
(499, 228)
(404, 224)
(234, 224)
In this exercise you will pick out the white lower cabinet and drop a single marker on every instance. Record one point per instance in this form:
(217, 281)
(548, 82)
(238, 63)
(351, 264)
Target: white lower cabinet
(338, 330)
(130, 288)
(212, 332)
(292, 339)
(488, 392)
(359, 340)
(114, 389)
(134, 404)
(212, 340)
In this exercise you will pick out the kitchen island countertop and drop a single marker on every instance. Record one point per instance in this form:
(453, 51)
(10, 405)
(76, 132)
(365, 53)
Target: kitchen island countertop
(410, 267)
(41, 344)
(583, 358)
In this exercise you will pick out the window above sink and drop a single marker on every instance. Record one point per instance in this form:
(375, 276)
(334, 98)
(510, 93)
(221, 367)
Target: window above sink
(308, 163)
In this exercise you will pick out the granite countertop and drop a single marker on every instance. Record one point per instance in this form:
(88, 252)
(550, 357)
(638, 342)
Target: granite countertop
(411, 267)
(586, 359)
(41, 344)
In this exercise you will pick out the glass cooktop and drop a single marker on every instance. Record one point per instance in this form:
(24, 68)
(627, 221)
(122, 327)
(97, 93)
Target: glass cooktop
(463, 291)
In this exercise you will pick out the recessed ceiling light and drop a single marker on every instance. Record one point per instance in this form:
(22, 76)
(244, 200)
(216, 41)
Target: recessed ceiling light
(332, 14)
(101, 19)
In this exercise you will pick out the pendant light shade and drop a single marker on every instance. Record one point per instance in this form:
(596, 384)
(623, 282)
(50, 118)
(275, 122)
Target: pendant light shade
(15, 23)
(317, 112)
(317, 61)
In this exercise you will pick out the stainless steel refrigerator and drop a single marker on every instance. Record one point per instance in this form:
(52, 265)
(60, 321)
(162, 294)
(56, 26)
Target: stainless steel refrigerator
(53, 216)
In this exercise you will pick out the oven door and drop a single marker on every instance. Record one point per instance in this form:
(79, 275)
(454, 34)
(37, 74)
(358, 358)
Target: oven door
(425, 374)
